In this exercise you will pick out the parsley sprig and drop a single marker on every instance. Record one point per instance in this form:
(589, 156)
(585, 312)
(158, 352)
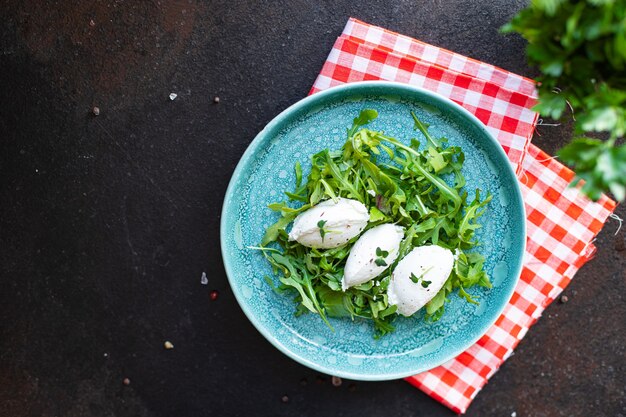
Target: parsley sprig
(580, 48)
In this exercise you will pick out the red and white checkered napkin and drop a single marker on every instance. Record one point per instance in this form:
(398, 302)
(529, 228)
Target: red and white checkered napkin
(561, 222)
(365, 52)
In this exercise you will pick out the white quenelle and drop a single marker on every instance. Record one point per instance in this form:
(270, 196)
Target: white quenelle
(330, 223)
(418, 277)
(361, 265)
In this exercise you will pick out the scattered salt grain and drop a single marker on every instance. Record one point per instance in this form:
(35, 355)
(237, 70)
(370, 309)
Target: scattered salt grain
(203, 279)
(513, 414)
(173, 96)
(168, 345)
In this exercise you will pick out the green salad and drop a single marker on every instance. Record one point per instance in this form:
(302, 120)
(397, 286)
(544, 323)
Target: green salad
(337, 260)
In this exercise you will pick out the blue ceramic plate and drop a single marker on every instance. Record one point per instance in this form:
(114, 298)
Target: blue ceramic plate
(266, 170)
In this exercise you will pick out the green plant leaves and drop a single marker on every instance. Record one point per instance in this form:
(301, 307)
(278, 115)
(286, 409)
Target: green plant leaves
(601, 164)
(580, 48)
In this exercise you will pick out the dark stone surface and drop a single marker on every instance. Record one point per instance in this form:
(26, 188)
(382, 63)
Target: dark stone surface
(106, 223)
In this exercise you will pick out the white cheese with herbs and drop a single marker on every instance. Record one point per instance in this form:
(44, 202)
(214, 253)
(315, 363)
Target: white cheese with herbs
(330, 223)
(418, 277)
(372, 254)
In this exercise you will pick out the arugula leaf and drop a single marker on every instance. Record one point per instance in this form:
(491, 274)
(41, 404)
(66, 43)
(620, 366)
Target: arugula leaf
(298, 170)
(271, 233)
(423, 127)
(468, 224)
(434, 308)
(365, 117)
(376, 215)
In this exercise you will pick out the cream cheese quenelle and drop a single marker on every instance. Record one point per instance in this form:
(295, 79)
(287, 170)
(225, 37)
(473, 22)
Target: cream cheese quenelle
(372, 254)
(330, 224)
(418, 277)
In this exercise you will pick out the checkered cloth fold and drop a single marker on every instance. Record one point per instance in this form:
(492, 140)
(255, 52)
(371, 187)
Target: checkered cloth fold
(506, 113)
(561, 221)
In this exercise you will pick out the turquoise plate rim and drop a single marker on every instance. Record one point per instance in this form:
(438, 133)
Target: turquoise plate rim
(311, 101)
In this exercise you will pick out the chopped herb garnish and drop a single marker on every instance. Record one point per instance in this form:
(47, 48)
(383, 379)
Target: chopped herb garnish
(321, 224)
(381, 253)
(380, 262)
(380, 257)
(417, 279)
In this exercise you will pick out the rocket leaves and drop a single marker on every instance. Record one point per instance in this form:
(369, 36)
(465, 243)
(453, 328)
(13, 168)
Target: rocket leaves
(418, 187)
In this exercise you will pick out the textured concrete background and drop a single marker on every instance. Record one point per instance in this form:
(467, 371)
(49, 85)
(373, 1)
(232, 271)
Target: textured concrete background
(107, 222)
